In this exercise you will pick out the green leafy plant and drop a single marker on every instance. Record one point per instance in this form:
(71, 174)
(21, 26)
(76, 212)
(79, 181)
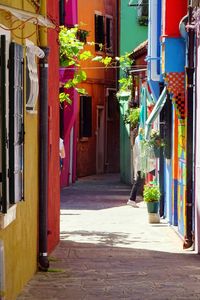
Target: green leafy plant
(151, 192)
(132, 117)
(155, 141)
(72, 42)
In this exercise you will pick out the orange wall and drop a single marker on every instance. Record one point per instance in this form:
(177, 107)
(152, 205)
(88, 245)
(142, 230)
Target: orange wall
(98, 78)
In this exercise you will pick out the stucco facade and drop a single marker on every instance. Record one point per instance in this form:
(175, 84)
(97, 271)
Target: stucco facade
(99, 151)
(19, 219)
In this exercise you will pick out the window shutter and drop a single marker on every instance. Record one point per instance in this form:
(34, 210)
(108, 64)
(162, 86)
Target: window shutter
(16, 123)
(85, 116)
(109, 34)
(3, 130)
(99, 31)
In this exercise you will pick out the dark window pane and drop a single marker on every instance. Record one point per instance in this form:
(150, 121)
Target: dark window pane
(99, 32)
(85, 116)
(62, 12)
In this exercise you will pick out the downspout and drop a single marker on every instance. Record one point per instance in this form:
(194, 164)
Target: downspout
(43, 161)
(188, 241)
(161, 161)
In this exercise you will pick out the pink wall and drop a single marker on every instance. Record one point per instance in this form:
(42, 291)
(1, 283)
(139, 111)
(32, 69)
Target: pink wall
(71, 12)
(70, 111)
(197, 159)
(53, 96)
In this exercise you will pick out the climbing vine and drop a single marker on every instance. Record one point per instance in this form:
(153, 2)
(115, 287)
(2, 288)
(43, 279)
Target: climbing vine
(72, 52)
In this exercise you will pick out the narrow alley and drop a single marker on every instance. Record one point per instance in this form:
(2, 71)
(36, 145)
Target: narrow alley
(108, 250)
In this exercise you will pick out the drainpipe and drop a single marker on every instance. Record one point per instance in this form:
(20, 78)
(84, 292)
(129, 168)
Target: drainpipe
(188, 241)
(43, 162)
(2, 271)
(161, 160)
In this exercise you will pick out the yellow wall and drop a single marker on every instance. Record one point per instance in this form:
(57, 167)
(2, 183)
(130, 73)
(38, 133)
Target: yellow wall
(20, 237)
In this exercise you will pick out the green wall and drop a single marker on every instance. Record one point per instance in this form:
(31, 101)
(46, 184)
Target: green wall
(131, 35)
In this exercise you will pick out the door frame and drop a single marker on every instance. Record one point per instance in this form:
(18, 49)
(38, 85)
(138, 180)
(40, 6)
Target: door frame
(100, 140)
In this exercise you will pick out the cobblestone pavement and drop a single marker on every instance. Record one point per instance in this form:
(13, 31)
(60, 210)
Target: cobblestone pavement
(108, 250)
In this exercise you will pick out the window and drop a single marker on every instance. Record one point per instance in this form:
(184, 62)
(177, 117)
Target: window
(62, 12)
(109, 34)
(143, 12)
(16, 123)
(11, 123)
(99, 32)
(85, 116)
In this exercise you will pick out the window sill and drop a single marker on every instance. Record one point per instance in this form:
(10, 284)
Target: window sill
(84, 139)
(9, 217)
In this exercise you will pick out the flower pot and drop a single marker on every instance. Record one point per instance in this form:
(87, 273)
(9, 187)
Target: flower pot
(153, 207)
(154, 218)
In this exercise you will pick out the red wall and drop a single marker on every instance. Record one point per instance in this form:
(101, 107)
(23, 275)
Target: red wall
(54, 178)
(174, 11)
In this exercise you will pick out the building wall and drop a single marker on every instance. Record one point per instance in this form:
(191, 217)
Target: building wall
(197, 158)
(173, 58)
(53, 106)
(69, 112)
(20, 237)
(98, 80)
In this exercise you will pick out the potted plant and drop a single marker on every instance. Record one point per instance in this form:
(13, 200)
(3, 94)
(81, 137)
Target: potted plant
(155, 142)
(132, 117)
(151, 196)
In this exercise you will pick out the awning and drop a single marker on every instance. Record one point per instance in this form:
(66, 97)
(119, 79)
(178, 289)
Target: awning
(155, 112)
(27, 16)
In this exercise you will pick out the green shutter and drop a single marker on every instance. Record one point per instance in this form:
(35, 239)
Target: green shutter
(3, 126)
(16, 123)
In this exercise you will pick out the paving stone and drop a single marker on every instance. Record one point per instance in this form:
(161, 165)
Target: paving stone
(108, 250)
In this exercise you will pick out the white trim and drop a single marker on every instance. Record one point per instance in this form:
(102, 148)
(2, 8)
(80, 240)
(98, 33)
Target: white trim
(97, 12)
